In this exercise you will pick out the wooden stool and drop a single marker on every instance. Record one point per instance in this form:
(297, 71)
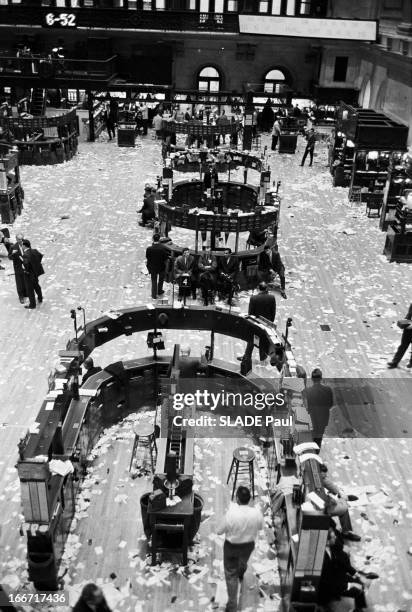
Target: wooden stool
(374, 202)
(144, 436)
(355, 195)
(242, 463)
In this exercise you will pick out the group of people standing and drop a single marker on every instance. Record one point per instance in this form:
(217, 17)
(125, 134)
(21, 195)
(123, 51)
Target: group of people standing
(206, 271)
(27, 264)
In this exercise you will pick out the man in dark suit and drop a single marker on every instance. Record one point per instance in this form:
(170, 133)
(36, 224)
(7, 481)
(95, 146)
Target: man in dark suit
(148, 209)
(270, 263)
(228, 268)
(337, 574)
(319, 401)
(16, 255)
(405, 342)
(207, 266)
(90, 369)
(32, 270)
(156, 258)
(184, 270)
(263, 304)
(228, 264)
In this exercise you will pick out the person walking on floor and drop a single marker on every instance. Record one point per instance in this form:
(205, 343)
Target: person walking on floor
(16, 256)
(240, 526)
(405, 342)
(270, 264)
(157, 256)
(319, 401)
(310, 147)
(275, 133)
(109, 121)
(33, 268)
(263, 304)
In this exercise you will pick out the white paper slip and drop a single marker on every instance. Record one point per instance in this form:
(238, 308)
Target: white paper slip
(306, 456)
(316, 500)
(59, 383)
(87, 392)
(54, 393)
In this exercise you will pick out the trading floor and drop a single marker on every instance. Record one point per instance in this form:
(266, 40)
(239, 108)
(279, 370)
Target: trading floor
(82, 216)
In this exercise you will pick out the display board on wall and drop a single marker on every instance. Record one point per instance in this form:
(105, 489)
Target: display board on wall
(302, 27)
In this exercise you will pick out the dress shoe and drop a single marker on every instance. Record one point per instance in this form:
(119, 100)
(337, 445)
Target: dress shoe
(352, 537)
(21, 300)
(239, 358)
(160, 293)
(369, 575)
(40, 300)
(392, 364)
(30, 307)
(283, 294)
(409, 365)
(352, 497)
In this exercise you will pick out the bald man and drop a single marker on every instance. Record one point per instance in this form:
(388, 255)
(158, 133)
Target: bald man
(90, 369)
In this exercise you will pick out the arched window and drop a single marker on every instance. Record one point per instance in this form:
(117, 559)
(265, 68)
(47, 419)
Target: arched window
(209, 80)
(274, 82)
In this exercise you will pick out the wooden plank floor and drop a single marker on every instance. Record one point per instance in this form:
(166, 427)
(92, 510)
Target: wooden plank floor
(111, 488)
(95, 258)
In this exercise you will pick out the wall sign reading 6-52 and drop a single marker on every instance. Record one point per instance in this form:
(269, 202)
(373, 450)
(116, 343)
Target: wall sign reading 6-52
(65, 20)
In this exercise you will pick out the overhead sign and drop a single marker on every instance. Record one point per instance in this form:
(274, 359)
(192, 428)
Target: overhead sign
(61, 20)
(312, 27)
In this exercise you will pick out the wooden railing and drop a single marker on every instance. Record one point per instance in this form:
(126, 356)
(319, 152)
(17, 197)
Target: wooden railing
(43, 67)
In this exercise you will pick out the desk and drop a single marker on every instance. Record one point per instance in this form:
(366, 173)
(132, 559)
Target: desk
(182, 512)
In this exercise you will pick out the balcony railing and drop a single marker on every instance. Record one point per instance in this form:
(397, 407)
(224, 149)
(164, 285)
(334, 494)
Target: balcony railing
(70, 19)
(37, 66)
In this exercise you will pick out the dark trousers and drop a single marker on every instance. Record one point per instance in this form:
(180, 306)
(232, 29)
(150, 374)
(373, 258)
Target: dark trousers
(275, 139)
(157, 283)
(20, 284)
(235, 558)
(403, 347)
(33, 287)
(358, 595)
(145, 123)
(345, 522)
(310, 151)
(110, 130)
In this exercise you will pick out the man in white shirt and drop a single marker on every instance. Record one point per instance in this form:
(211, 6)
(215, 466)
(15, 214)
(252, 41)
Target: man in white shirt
(275, 134)
(241, 526)
(157, 124)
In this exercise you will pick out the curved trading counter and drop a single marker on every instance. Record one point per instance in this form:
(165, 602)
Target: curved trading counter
(233, 194)
(28, 135)
(191, 160)
(191, 218)
(199, 129)
(70, 420)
